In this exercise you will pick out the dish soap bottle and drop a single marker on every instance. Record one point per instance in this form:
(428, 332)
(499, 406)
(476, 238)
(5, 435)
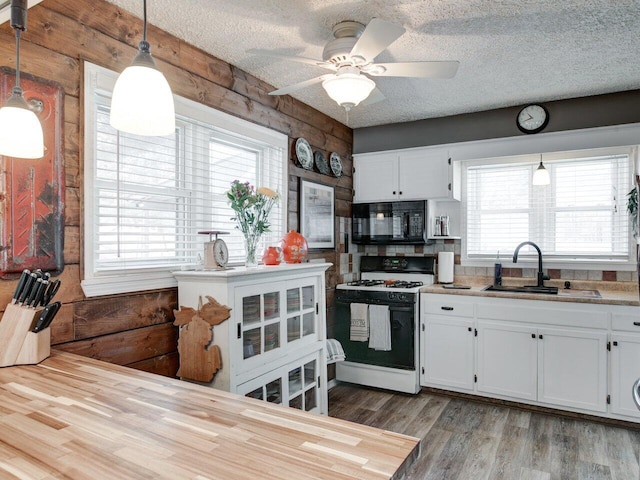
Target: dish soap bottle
(497, 271)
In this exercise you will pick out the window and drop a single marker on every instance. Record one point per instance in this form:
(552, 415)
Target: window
(580, 217)
(146, 198)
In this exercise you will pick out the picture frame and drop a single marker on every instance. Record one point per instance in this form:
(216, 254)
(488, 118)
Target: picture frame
(317, 214)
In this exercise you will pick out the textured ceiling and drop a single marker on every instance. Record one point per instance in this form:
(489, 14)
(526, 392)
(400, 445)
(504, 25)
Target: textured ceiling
(511, 52)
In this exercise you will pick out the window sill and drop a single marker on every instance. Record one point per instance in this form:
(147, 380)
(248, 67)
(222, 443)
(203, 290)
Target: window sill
(111, 285)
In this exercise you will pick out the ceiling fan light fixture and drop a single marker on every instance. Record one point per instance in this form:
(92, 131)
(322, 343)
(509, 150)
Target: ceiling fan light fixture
(348, 89)
(142, 102)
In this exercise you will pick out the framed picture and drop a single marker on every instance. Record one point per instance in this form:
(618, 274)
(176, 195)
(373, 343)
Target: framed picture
(317, 214)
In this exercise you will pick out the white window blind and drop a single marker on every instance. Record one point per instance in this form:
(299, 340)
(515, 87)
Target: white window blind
(148, 197)
(580, 216)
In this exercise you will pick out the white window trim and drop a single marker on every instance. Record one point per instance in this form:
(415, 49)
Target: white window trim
(528, 262)
(97, 78)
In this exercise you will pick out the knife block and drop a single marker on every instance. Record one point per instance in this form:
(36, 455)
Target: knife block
(18, 344)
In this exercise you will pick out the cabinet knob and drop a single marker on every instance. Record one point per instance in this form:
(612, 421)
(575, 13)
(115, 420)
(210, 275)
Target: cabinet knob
(399, 193)
(540, 337)
(615, 344)
(533, 335)
(394, 192)
(470, 329)
(637, 324)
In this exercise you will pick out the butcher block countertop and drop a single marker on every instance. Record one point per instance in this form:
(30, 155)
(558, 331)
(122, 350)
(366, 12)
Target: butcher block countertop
(78, 418)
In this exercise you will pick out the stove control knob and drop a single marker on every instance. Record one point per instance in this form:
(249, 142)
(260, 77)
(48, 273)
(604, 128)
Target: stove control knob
(392, 296)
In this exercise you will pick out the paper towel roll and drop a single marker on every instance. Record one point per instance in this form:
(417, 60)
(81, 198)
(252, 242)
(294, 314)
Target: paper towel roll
(445, 267)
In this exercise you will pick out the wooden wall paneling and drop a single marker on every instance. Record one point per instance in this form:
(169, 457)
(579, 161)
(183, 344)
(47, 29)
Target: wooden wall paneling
(103, 316)
(62, 326)
(64, 33)
(166, 365)
(124, 348)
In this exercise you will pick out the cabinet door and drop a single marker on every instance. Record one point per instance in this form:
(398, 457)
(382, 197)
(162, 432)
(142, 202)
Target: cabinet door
(507, 360)
(572, 368)
(424, 175)
(301, 312)
(448, 352)
(267, 387)
(259, 331)
(625, 370)
(375, 178)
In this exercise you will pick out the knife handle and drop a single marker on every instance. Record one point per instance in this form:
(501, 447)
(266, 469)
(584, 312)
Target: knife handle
(21, 283)
(42, 286)
(33, 292)
(27, 288)
(52, 314)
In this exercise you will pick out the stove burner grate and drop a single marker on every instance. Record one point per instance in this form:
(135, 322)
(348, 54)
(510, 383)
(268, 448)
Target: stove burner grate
(404, 284)
(366, 283)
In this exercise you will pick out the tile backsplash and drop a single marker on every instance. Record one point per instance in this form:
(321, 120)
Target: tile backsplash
(350, 261)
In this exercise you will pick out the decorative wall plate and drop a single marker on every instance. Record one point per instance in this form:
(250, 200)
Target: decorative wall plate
(321, 163)
(336, 164)
(304, 154)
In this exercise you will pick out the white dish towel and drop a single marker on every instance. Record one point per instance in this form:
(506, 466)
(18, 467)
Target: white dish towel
(335, 352)
(359, 331)
(379, 328)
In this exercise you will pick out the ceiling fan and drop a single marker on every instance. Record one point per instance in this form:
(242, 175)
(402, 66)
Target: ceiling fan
(350, 55)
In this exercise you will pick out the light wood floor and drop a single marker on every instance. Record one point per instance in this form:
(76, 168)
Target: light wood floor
(469, 440)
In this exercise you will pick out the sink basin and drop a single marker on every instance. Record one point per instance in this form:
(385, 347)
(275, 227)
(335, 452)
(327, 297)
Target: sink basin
(522, 289)
(579, 293)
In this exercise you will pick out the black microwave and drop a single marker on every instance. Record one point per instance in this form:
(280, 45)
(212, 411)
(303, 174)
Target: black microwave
(387, 223)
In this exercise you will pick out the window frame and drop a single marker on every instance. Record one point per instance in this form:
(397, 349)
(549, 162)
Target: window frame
(557, 261)
(101, 80)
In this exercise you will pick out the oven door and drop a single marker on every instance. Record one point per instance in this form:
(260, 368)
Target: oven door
(401, 355)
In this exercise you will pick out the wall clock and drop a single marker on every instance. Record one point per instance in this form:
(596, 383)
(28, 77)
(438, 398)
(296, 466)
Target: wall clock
(532, 118)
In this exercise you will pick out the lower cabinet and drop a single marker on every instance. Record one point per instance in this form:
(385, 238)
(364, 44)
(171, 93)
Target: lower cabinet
(296, 384)
(540, 352)
(507, 360)
(448, 352)
(625, 370)
(572, 368)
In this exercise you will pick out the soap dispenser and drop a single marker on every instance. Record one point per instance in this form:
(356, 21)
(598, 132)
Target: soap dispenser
(497, 271)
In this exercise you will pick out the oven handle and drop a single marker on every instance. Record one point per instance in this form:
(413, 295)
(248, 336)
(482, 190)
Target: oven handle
(403, 307)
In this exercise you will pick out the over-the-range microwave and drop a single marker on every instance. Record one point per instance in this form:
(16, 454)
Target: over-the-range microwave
(387, 223)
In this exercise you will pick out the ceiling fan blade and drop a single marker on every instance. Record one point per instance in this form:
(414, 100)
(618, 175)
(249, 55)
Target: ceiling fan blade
(374, 97)
(298, 86)
(414, 69)
(294, 58)
(378, 35)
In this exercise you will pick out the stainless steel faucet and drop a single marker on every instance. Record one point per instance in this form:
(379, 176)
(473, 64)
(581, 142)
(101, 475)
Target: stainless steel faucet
(541, 276)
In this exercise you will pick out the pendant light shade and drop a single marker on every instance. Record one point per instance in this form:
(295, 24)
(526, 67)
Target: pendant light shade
(541, 175)
(142, 102)
(20, 129)
(348, 88)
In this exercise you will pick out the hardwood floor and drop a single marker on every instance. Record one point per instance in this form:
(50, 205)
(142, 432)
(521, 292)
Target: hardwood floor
(470, 440)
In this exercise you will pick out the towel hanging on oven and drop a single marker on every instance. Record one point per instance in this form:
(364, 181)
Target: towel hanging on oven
(359, 331)
(379, 328)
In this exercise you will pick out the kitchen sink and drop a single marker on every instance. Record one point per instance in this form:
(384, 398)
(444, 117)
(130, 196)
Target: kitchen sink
(522, 289)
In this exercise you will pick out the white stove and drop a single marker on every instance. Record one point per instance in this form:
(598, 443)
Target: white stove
(393, 282)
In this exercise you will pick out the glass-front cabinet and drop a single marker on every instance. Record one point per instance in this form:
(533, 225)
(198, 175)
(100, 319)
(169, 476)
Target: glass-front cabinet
(273, 344)
(275, 318)
(296, 385)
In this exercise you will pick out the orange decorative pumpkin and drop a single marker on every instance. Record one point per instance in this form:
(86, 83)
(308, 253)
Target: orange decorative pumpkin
(294, 247)
(271, 256)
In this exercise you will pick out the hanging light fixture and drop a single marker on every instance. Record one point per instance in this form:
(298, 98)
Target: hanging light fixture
(20, 130)
(142, 102)
(541, 175)
(348, 87)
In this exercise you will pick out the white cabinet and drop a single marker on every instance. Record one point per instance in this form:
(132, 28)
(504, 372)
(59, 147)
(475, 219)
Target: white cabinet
(273, 345)
(447, 344)
(572, 368)
(415, 174)
(539, 352)
(507, 360)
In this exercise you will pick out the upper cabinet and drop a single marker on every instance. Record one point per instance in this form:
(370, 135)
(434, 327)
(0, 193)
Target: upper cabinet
(416, 174)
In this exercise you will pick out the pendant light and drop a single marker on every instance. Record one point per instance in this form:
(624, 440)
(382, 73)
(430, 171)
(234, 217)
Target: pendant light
(20, 130)
(541, 175)
(142, 102)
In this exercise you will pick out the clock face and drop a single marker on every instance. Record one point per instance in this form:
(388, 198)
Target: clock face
(532, 118)
(220, 252)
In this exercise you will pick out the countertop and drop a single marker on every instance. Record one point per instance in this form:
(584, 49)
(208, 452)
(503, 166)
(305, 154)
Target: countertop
(242, 271)
(79, 418)
(611, 294)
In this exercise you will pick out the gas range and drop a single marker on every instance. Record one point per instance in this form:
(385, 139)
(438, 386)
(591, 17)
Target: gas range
(393, 274)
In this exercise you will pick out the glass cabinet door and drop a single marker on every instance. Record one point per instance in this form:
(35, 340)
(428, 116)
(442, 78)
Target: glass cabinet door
(260, 324)
(301, 312)
(303, 385)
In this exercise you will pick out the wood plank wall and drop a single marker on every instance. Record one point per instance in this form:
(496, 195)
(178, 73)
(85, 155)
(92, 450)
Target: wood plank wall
(136, 329)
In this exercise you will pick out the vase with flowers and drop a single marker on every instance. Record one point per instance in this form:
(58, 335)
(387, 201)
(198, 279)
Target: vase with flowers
(252, 208)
